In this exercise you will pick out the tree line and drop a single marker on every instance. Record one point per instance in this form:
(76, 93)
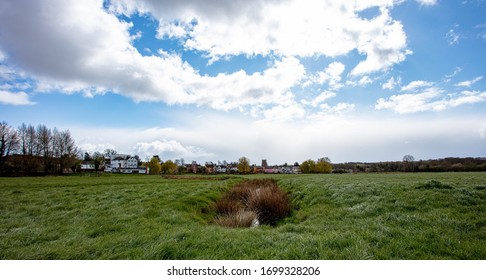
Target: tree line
(34, 150)
(409, 164)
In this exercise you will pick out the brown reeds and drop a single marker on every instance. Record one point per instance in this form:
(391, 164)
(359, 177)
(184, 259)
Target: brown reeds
(258, 201)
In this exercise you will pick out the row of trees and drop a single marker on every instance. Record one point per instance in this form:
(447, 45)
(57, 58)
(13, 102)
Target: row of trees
(31, 150)
(409, 164)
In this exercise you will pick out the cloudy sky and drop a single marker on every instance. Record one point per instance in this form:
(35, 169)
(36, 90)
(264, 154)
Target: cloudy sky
(363, 80)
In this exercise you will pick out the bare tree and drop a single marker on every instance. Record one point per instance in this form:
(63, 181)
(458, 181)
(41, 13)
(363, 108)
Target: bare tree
(9, 142)
(64, 148)
(109, 152)
(408, 163)
(28, 148)
(408, 158)
(44, 141)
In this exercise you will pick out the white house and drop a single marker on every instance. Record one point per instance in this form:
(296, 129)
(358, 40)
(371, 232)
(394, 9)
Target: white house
(121, 163)
(87, 165)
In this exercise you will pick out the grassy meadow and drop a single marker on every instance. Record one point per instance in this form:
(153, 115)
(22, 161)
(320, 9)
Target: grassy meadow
(335, 216)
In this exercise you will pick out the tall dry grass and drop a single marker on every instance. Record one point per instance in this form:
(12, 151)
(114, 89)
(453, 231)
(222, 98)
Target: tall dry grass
(271, 203)
(259, 199)
(240, 218)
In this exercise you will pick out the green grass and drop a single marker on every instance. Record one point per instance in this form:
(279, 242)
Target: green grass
(346, 216)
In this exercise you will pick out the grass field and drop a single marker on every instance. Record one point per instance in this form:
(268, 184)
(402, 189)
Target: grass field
(347, 216)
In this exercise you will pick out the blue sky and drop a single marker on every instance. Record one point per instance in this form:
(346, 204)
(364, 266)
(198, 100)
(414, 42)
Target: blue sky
(278, 80)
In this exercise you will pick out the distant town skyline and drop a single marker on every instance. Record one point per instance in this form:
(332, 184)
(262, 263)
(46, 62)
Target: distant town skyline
(284, 81)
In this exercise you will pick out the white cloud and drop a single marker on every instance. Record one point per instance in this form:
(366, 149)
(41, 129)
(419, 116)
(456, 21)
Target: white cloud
(392, 83)
(470, 82)
(323, 96)
(411, 103)
(288, 28)
(15, 98)
(166, 142)
(429, 99)
(48, 42)
(449, 77)
(482, 31)
(365, 80)
(362, 82)
(340, 108)
(414, 85)
(332, 75)
(452, 36)
(284, 112)
(53, 49)
(169, 149)
(229, 91)
(384, 43)
(98, 147)
(467, 97)
(427, 2)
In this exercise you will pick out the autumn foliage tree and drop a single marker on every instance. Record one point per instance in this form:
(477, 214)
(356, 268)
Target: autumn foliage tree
(154, 166)
(243, 165)
(169, 167)
(322, 165)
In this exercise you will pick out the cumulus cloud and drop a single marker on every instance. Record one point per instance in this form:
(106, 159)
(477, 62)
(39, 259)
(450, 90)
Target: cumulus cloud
(96, 147)
(392, 83)
(53, 49)
(15, 98)
(365, 80)
(288, 28)
(49, 43)
(384, 43)
(170, 149)
(331, 75)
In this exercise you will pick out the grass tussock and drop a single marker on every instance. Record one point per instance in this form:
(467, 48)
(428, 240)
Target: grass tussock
(259, 199)
(434, 184)
(240, 218)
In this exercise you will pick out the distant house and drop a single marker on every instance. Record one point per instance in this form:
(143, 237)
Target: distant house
(87, 166)
(121, 163)
(271, 169)
(296, 169)
(221, 169)
(192, 167)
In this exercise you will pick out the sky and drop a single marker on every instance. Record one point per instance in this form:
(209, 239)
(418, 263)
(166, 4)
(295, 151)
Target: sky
(286, 81)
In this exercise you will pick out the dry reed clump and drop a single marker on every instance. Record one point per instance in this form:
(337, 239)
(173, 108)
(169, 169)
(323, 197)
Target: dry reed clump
(241, 218)
(271, 204)
(258, 201)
